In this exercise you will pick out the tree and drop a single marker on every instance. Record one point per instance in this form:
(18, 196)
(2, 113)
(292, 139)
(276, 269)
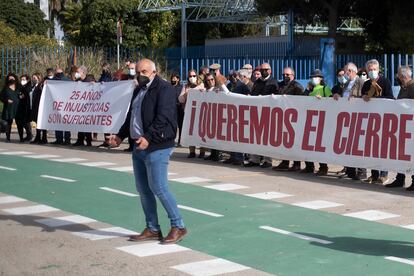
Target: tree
(24, 18)
(9, 37)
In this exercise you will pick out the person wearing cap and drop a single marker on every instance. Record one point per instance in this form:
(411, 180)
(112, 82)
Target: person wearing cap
(249, 68)
(289, 86)
(219, 78)
(376, 87)
(319, 90)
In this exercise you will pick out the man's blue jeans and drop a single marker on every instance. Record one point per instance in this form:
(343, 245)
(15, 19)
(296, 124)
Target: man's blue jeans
(151, 179)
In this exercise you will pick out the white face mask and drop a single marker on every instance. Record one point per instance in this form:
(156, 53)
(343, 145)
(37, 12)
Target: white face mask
(373, 75)
(316, 81)
(363, 77)
(132, 72)
(77, 75)
(50, 77)
(193, 80)
(23, 82)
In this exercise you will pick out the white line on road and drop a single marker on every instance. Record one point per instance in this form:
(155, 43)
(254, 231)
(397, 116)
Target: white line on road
(69, 160)
(7, 168)
(200, 211)
(16, 152)
(152, 249)
(400, 260)
(299, 236)
(28, 210)
(57, 178)
(43, 156)
(210, 267)
(118, 191)
(97, 164)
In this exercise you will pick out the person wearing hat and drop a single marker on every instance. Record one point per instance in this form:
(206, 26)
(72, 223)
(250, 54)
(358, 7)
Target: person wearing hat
(215, 70)
(318, 89)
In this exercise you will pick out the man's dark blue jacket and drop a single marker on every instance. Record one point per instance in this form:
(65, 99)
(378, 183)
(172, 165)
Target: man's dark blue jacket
(158, 113)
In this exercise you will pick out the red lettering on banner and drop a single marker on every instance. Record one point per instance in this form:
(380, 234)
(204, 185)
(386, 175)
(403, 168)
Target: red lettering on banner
(404, 135)
(319, 132)
(291, 115)
(351, 132)
(57, 105)
(220, 121)
(258, 128)
(358, 133)
(389, 140)
(276, 127)
(308, 129)
(372, 139)
(192, 118)
(232, 131)
(242, 123)
(340, 142)
(211, 120)
(202, 121)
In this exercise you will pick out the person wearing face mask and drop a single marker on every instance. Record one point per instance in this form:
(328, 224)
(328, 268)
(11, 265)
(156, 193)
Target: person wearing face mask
(175, 82)
(152, 123)
(50, 74)
(131, 75)
(376, 87)
(81, 75)
(362, 74)
(10, 98)
(320, 90)
(406, 82)
(266, 85)
(36, 94)
(23, 110)
(289, 86)
(351, 89)
(338, 88)
(62, 137)
(192, 83)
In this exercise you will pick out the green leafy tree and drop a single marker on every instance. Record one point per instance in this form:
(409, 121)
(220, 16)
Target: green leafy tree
(9, 38)
(24, 18)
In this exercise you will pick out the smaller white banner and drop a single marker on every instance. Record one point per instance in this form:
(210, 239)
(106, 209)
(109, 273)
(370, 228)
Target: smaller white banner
(84, 106)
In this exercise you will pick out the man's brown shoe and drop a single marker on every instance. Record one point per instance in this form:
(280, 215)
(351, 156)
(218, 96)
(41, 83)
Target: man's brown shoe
(146, 235)
(175, 235)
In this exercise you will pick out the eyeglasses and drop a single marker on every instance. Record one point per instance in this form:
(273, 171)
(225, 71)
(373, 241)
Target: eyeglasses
(192, 76)
(363, 74)
(210, 79)
(287, 75)
(265, 69)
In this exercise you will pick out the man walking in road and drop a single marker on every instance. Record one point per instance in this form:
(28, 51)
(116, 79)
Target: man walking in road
(152, 124)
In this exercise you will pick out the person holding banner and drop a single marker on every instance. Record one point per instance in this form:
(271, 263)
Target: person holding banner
(319, 90)
(152, 123)
(406, 82)
(376, 87)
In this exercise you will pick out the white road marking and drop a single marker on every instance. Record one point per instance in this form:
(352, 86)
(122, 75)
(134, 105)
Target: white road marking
(226, 187)
(43, 156)
(122, 169)
(317, 204)
(28, 210)
(292, 234)
(118, 191)
(64, 221)
(105, 233)
(191, 179)
(172, 173)
(411, 226)
(57, 178)
(400, 260)
(371, 215)
(152, 249)
(269, 195)
(69, 160)
(97, 164)
(199, 211)
(16, 152)
(210, 267)
(11, 199)
(7, 168)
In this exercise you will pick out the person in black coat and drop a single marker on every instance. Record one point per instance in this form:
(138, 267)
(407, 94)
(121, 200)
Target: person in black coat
(23, 110)
(10, 99)
(36, 93)
(175, 82)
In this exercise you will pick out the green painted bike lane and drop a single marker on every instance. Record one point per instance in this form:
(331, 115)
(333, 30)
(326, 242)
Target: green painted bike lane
(357, 247)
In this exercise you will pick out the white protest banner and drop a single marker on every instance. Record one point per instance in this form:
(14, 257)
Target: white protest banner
(377, 134)
(84, 106)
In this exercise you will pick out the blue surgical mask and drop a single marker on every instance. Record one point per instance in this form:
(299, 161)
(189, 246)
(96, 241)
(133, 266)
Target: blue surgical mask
(373, 75)
(342, 79)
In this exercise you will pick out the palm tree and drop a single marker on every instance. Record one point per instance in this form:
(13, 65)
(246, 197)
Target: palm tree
(71, 21)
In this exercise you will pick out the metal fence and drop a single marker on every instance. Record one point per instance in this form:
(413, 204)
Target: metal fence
(28, 60)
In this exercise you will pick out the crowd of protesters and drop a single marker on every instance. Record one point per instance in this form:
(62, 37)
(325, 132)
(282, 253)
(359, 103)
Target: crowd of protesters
(21, 97)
